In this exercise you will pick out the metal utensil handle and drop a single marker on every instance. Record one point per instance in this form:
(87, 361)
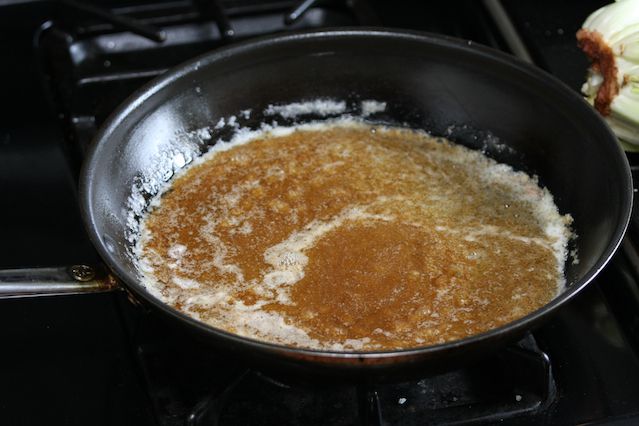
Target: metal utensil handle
(76, 279)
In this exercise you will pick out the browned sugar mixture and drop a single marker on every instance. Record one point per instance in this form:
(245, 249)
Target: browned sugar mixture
(349, 237)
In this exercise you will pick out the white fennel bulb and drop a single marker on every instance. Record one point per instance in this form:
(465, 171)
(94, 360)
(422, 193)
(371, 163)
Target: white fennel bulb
(610, 38)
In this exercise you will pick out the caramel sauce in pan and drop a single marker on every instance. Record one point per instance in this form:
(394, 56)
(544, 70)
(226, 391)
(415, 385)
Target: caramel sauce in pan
(350, 237)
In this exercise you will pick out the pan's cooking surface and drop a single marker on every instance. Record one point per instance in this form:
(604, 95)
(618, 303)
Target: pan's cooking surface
(347, 236)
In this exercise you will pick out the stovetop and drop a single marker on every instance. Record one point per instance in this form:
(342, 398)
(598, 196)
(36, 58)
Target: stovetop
(99, 360)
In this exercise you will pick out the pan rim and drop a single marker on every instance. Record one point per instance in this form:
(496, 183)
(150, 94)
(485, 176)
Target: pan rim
(511, 329)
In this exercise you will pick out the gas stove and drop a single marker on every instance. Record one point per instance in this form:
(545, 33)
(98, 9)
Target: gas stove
(99, 359)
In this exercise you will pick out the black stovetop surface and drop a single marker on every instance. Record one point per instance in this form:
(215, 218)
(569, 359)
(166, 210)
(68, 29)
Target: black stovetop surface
(97, 360)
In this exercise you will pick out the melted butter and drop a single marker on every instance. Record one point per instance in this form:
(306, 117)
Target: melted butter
(348, 237)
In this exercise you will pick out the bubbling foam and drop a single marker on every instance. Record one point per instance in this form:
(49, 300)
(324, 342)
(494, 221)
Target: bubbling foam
(343, 236)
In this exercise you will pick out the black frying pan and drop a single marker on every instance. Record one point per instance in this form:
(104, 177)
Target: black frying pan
(449, 87)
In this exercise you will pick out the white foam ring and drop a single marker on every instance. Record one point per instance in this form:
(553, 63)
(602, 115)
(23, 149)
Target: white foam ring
(321, 107)
(173, 157)
(370, 107)
(288, 259)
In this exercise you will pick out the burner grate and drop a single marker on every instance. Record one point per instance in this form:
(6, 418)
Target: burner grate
(187, 385)
(90, 67)
(92, 59)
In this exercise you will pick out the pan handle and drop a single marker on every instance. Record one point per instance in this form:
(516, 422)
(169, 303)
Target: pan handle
(76, 279)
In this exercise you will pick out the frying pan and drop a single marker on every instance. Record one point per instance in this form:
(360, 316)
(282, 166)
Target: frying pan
(471, 94)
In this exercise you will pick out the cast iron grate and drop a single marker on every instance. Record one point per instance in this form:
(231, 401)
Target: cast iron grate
(190, 384)
(90, 61)
(93, 59)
